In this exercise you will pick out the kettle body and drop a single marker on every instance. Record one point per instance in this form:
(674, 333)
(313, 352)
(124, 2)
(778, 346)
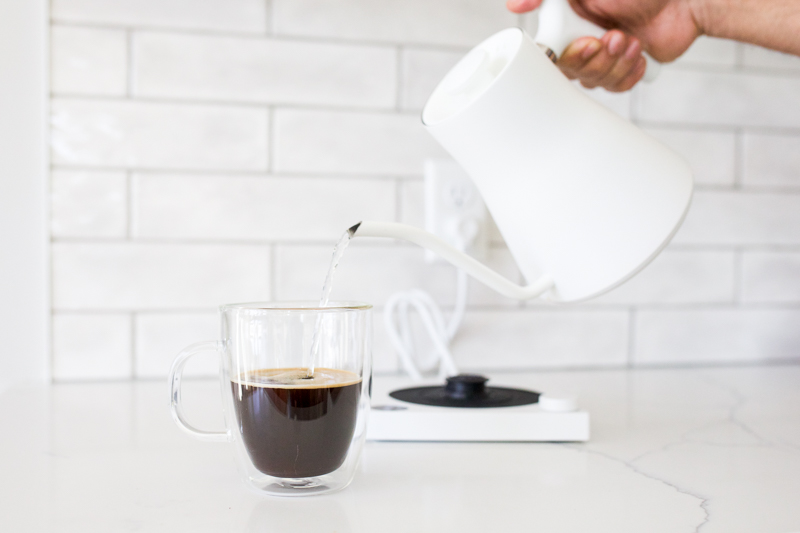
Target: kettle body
(583, 198)
(578, 193)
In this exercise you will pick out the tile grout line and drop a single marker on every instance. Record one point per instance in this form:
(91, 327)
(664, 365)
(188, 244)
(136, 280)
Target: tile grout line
(274, 35)
(788, 131)
(786, 72)
(133, 345)
(739, 71)
(129, 66)
(498, 308)
(399, 201)
(632, 320)
(774, 363)
(269, 14)
(633, 106)
(51, 335)
(389, 110)
(738, 277)
(51, 303)
(273, 274)
(788, 190)
(271, 139)
(129, 205)
(48, 200)
(738, 63)
(738, 161)
(719, 127)
(399, 85)
(785, 190)
(321, 241)
(266, 174)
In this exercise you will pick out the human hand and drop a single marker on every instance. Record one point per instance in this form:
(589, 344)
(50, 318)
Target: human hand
(614, 61)
(665, 28)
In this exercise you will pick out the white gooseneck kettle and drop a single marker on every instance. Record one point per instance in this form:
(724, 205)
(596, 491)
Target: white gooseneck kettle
(583, 198)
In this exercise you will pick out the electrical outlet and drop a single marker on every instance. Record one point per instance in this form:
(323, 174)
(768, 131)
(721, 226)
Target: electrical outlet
(454, 209)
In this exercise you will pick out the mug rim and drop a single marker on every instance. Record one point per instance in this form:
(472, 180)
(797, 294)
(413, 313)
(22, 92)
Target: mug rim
(297, 305)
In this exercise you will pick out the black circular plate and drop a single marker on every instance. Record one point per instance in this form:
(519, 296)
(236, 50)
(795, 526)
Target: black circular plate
(493, 397)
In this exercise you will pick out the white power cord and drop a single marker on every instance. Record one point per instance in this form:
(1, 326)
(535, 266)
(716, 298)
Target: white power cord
(397, 321)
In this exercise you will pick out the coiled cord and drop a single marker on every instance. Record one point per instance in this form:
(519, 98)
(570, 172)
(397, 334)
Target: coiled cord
(397, 320)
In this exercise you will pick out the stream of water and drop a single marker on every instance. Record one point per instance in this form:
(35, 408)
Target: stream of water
(338, 252)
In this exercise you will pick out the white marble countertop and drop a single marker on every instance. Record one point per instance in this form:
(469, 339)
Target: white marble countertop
(710, 450)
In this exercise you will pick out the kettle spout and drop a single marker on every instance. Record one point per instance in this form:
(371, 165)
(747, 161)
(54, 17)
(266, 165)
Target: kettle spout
(470, 265)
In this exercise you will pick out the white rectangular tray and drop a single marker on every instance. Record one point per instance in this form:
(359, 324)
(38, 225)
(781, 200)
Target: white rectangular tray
(394, 420)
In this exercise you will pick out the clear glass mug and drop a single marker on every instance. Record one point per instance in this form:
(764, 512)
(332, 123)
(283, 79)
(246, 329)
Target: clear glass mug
(293, 434)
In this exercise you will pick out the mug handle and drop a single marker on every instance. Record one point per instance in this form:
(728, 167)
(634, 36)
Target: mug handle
(175, 406)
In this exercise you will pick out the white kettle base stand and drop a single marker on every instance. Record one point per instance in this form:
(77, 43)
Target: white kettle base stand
(395, 420)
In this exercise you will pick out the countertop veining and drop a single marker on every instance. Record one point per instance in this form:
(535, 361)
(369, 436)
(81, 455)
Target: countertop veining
(672, 450)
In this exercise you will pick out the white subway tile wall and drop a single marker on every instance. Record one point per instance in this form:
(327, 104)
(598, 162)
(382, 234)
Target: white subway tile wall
(422, 70)
(88, 203)
(133, 134)
(246, 16)
(160, 336)
(134, 276)
(89, 61)
(443, 22)
(680, 276)
(740, 217)
(740, 98)
(711, 154)
(757, 57)
(692, 336)
(255, 208)
(771, 160)
(534, 338)
(771, 277)
(342, 142)
(212, 152)
(92, 346)
(710, 51)
(277, 71)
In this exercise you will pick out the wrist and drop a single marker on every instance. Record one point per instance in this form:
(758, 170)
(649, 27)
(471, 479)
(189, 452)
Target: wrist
(751, 21)
(709, 16)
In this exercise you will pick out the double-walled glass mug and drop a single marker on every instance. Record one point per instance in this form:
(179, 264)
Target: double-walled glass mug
(295, 386)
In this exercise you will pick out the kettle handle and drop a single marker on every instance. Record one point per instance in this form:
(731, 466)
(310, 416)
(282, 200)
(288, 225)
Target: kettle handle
(470, 265)
(559, 25)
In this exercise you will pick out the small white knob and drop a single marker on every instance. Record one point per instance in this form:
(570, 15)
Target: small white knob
(553, 404)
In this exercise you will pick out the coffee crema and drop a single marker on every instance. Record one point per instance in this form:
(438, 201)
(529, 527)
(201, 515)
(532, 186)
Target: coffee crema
(293, 425)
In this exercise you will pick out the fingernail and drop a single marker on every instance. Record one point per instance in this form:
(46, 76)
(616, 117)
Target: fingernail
(615, 44)
(633, 50)
(590, 49)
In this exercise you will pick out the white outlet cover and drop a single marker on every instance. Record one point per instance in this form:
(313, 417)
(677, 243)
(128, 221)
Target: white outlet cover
(454, 209)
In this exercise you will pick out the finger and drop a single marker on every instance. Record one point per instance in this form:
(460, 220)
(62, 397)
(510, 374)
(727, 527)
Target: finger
(616, 42)
(577, 54)
(599, 65)
(522, 6)
(636, 74)
(602, 64)
(626, 62)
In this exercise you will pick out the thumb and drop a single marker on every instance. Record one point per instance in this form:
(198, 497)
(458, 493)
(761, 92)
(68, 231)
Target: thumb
(522, 6)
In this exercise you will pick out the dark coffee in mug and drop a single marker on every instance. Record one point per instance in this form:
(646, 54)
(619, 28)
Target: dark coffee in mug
(294, 426)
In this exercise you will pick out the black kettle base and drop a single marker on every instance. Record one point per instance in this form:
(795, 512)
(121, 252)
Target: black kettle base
(466, 390)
